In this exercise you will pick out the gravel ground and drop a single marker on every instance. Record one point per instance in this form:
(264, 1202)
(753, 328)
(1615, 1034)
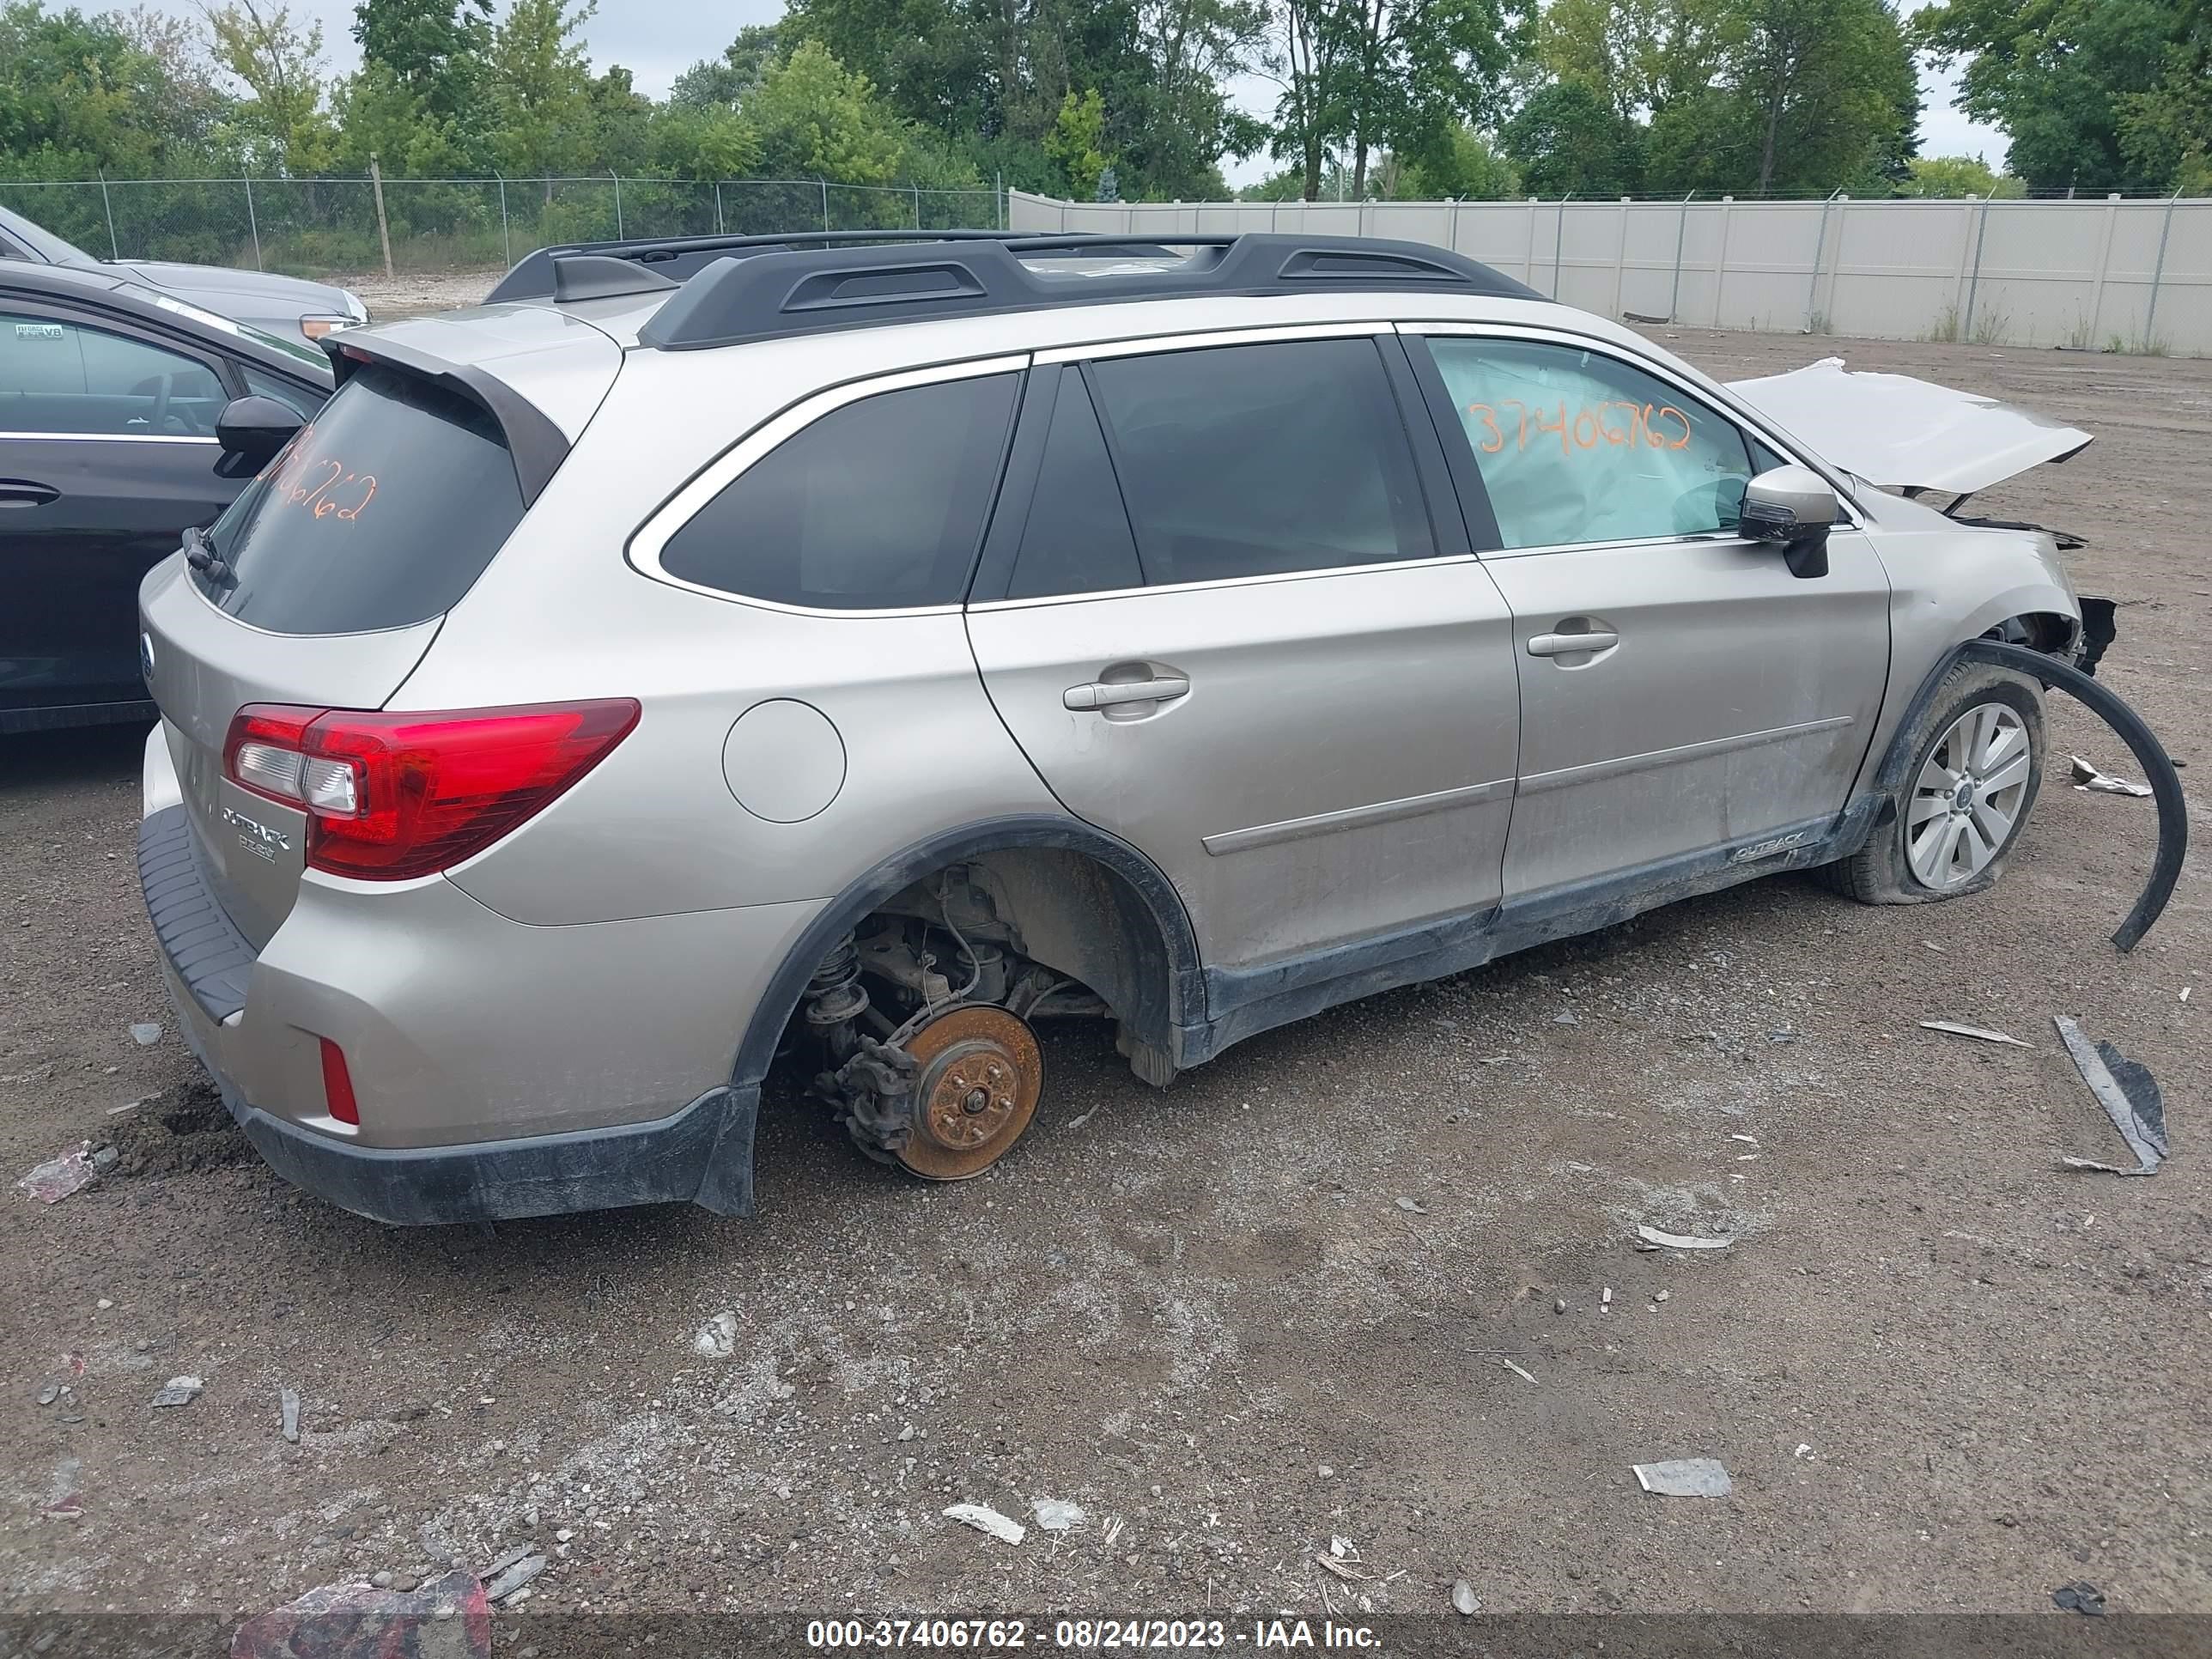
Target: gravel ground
(1271, 1307)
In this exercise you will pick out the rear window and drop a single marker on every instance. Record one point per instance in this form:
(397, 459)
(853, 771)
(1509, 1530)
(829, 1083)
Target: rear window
(381, 513)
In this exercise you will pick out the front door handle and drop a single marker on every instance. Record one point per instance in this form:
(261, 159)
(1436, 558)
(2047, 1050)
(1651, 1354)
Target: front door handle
(1112, 694)
(26, 492)
(1563, 645)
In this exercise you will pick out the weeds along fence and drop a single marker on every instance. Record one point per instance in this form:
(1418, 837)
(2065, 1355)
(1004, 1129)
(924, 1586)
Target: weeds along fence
(328, 227)
(2106, 274)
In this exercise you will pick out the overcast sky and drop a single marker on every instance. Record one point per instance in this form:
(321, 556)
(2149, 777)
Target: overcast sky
(659, 39)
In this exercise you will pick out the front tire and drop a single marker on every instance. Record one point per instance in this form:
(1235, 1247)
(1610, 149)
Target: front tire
(1977, 767)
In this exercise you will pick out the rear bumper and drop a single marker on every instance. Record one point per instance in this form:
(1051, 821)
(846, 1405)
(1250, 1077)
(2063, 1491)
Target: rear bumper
(502, 1070)
(701, 1154)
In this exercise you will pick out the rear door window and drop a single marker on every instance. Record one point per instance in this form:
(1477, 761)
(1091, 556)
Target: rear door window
(1076, 539)
(1261, 460)
(380, 513)
(878, 505)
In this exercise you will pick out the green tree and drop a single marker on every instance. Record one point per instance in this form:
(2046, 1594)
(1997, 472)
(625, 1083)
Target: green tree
(1958, 175)
(1075, 144)
(1638, 55)
(723, 82)
(284, 125)
(1569, 140)
(1459, 163)
(2166, 131)
(2095, 94)
(377, 115)
(539, 86)
(930, 58)
(1312, 59)
(78, 94)
(811, 118)
(1829, 91)
(431, 49)
(1170, 119)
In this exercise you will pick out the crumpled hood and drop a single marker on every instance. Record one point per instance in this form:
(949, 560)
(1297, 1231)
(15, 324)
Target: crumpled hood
(247, 293)
(1904, 433)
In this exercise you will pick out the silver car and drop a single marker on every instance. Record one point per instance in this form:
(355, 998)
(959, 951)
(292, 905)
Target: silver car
(289, 306)
(866, 652)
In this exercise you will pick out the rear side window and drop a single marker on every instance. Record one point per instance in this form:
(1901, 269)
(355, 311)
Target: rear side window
(1076, 539)
(878, 505)
(381, 513)
(1255, 460)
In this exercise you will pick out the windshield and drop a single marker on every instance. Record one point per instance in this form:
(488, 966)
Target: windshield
(43, 243)
(381, 512)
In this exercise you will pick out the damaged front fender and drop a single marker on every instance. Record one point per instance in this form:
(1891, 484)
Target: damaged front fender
(2151, 755)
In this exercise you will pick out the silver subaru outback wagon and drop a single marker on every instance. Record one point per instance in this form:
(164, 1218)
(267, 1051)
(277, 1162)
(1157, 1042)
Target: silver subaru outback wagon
(870, 649)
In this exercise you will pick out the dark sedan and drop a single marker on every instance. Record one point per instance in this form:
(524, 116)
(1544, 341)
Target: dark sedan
(110, 398)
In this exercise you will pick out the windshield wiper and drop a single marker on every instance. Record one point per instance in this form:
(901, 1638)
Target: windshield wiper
(200, 553)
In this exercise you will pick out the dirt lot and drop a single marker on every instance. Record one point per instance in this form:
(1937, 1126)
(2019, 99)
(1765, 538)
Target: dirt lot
(1945, 1375)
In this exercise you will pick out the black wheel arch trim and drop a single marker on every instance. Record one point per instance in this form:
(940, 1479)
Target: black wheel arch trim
(1185, 1000)
(2130, 728)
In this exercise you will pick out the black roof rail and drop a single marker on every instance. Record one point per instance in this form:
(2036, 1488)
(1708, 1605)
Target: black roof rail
(533, 276)
(812, 285)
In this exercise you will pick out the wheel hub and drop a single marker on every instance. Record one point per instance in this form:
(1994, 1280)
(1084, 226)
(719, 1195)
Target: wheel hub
(977, 1090)
(1966, 802)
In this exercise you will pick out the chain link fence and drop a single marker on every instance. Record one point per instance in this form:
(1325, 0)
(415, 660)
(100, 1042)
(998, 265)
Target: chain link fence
(324, 228)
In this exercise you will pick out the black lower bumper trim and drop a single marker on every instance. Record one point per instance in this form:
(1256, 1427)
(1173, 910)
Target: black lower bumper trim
(703, 1153)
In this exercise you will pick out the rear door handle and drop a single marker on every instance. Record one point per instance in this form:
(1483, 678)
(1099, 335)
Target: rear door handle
(26, 492)
(1111, 694)
(1562, 645)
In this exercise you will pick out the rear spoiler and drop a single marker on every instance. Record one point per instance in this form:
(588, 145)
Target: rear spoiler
(537, 445)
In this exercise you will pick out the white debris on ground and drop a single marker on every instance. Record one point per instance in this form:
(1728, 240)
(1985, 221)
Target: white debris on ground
(1057, 1514)
(984, 1518)
(57, 1177)
(1686, 1477)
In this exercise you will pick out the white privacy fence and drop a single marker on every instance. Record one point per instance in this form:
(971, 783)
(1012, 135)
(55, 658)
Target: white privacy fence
(2125, 274)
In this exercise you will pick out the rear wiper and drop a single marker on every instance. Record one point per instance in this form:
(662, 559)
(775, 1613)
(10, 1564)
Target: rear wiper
(200, 553)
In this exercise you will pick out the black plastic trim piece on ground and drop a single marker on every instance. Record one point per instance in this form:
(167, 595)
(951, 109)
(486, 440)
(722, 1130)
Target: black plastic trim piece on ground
(2150, 754)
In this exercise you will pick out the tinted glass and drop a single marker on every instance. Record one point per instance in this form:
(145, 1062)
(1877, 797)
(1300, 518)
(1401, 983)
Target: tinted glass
(58, 377)
(1252, 460)
(1076, 539)
(294, 396)
(1576, 447)
(876, 505)
(383, 511)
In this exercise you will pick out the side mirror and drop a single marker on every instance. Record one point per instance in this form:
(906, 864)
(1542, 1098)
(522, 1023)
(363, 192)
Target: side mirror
(255, 428)
(1794, 506)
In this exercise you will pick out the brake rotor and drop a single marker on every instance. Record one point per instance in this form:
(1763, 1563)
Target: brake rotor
(977, 1089)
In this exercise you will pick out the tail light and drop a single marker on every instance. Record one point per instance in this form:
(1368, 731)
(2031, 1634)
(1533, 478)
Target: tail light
(393, 795)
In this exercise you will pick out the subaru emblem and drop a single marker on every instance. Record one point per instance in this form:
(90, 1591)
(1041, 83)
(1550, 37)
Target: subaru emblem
(146, 657)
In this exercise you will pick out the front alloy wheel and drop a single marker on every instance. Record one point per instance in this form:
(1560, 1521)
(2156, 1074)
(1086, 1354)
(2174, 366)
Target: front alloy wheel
(1968, 797)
